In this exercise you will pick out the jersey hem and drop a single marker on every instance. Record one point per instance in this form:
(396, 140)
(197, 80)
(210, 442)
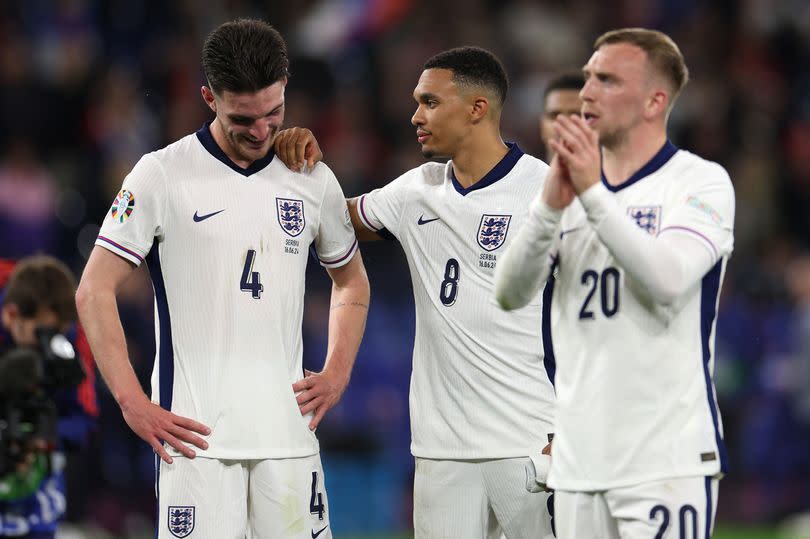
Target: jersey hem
(588, 486)
(249, 454)
(510, 453)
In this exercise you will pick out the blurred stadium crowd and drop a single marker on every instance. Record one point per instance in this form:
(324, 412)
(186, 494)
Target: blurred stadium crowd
(87, 87)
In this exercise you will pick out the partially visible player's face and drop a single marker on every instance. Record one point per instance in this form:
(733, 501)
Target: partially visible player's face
(564, 101)
(22, 329)
(441, 116)
(247, 122)
(617, 82)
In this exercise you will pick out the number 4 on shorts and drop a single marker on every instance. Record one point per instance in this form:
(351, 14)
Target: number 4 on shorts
(316, 506)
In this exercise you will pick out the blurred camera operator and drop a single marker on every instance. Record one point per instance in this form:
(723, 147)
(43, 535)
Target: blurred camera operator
(47, 396)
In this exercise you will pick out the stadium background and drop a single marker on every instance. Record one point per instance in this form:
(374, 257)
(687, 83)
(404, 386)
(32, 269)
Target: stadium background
(87, 87)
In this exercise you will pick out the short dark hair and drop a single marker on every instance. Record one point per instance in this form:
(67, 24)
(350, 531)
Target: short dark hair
(39, 283)
(569, 80)
(245, 55)
(473, 66)
(663, 53)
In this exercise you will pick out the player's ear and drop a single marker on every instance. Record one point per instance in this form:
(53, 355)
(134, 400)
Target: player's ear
(208, 97)
(657, 103)
(480, 107)
(10, 311)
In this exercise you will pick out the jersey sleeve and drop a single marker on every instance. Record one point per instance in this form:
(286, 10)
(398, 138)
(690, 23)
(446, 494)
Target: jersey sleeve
(335, 243)
(705, 211)
(383, 208)
(136, 215)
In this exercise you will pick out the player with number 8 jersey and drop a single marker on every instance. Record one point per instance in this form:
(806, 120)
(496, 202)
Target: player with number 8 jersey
(481, 401)
(474, 393)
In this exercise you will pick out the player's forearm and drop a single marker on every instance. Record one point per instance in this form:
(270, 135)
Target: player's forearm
(347, 322)
(666, 266)
(526, 264)
(98, 312)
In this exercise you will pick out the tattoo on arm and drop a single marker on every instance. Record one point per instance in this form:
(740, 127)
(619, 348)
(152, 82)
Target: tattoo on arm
(350, 304)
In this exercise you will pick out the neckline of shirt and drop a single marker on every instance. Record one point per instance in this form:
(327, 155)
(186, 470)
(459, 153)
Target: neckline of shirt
(500, 170)
(658, 160)
(207, 140)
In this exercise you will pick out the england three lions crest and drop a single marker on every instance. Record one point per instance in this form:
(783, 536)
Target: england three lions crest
(492, 232)
(646, 217)
(181, 520)
(291, 215)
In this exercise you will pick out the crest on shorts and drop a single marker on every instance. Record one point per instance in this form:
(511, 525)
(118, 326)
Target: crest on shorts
(123, 205)
(646, 217)
(492, 231)
(181, 520)
(290, 215)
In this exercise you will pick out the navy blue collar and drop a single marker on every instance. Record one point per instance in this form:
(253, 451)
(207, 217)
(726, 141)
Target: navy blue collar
(658, 161)
(500, 170)
(207, 140)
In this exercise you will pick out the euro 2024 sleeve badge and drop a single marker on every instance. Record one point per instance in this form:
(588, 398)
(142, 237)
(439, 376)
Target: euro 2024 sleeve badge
(123, 205)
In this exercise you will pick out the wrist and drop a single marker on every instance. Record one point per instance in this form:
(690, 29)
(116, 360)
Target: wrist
(129, 399)
(339, 376)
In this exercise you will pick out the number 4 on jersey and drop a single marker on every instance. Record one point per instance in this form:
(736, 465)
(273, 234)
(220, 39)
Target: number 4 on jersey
(250, 281)
(316, 506)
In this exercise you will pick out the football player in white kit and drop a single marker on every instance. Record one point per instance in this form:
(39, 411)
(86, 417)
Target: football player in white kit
(225, 229)
(638, 250)
(560, 97)
(481, 401)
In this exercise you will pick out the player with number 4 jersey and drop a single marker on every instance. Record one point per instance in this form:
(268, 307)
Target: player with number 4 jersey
(225, 229)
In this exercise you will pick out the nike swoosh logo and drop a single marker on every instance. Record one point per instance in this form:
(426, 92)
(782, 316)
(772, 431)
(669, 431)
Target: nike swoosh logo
(198, 218)
(564, 232)
(423, 221)
(316, 534)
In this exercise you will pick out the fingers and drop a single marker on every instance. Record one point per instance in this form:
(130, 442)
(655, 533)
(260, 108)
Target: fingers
(190, 424)
(286, 145)
(281, 145)
(160, 450)
(573, 132)
(300, 150)
(313, 153)
(189, 437)
(182, 448)
(311, 405)
(303, 384)
(316, 420)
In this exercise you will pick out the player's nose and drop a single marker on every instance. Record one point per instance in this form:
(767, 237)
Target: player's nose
(417, 118)
(259, 130)
(586, 93)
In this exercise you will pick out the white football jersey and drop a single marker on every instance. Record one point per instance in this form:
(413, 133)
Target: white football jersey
(635, 397)
(479, 388)
(227, 249)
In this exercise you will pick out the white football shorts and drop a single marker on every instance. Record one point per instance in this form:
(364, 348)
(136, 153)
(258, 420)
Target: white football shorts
(681, 508)
(479, 499)
(206, 498)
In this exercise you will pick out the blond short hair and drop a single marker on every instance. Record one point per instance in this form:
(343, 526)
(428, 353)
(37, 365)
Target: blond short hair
(663, 53)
